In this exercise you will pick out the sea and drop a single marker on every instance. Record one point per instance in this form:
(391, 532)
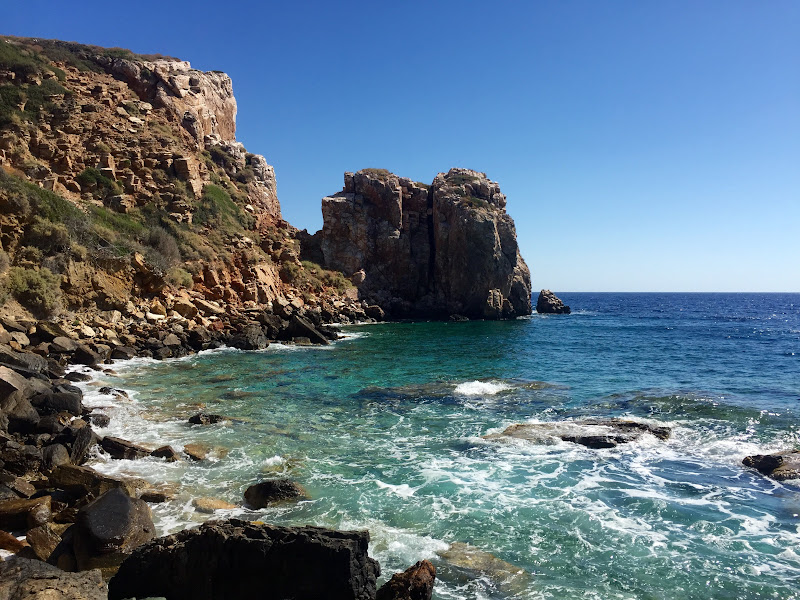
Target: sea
(386, 430)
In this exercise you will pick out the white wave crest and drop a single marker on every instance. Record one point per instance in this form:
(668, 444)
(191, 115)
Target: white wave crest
(481, 388)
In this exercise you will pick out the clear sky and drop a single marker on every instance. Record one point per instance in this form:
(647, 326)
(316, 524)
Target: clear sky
(643, 145)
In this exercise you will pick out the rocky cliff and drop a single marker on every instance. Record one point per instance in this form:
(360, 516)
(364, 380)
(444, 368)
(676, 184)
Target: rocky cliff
(437, 250)
(121, 183)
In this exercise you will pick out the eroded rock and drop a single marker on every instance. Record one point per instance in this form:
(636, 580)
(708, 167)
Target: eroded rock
(592, 433)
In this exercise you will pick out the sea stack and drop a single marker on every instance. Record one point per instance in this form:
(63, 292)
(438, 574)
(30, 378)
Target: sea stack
(549, 303)
(425, 251)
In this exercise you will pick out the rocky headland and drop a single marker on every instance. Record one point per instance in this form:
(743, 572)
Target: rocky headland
(444, 250)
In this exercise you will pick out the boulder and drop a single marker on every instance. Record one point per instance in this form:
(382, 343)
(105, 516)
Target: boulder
(23, 578)
(779, 465)
(123, 449)
(21, 460)
(302, 328)
(84, 440)
(77, 376)
(206, 419)
(20, 414)
(83, 481)
(109, 528)
(55, 402)
(27, 362)
(24, 513)
(592, 433)
(549, 303)
(239, 559)
(63, 344)
(166, 452)
(11, 543)
(43, 540)
(54, 456)
(209, 505)
(84, 355)
(251, 337)
(123, 353)
(274, 491)
(196, 451)
(415, 583)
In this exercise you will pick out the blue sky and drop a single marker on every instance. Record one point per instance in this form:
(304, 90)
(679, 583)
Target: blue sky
(643, 146)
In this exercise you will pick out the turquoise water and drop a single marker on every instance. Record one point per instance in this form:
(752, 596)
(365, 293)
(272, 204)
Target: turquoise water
(384, 429)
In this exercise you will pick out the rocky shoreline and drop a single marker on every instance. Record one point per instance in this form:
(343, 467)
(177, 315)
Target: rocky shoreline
(80, 525)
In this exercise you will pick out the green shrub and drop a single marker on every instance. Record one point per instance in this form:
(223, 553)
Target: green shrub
(460, 179)
(475, 202)
(217, 209)
(179, 277)
(382, 174)
(37, 290)
(48, 236)
(103, 186)
(163, 252)
(124, 224)
(4, 261)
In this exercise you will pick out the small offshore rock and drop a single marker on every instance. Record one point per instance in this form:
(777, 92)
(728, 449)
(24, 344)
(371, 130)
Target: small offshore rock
(779, 465)
(549, 303)
(196, 451)
(206, 419)
(209, 505)
(273, 491)
(415, 583)
(167, 452)
(592, 433)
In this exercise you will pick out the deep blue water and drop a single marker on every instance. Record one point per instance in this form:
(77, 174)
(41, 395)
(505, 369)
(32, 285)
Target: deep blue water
(385, 431)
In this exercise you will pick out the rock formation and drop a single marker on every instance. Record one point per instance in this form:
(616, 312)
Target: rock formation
(592, 433)
(779, 466)
(238, 559)
(425, 251)
(549, 303)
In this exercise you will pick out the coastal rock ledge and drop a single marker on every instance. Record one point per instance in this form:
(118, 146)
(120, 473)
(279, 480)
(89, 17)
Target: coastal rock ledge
(430, 251)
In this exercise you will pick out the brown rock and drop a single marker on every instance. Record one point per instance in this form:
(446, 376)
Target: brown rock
(109, 528)
(274, 491)
(123, 449)
(209, 505)
(415, 583)
(431, 251)
(167, 452)
(43, 540)
(779, 466)
(36, 580)
(24, 513)
(11, 543)
(549, 303)
(196, 451)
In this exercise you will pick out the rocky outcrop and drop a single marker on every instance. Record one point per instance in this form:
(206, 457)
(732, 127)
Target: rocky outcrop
(592, 433)
(24, 579)
(273, 491)
(238, 559)
(779, 465)
(415, 583)
(109, 528)
(417, 250)
(549, 303)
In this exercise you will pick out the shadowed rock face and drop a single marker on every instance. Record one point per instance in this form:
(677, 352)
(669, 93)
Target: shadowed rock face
(434, 251)
(237, 559)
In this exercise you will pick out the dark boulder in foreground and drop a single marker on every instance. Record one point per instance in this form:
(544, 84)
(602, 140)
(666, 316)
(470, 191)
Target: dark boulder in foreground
(592, 433)
(779, 466)
(549, 303)
(415, 583)
(109, 528)
(273, 491)
(236, 559)
(25, 578)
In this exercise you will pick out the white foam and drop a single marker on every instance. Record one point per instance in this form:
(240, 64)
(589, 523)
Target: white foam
(404, 490)
(481, 388)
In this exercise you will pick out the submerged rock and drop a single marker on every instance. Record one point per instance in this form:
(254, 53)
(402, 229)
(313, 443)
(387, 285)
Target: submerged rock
(478, 563)
(779, 465)
(238, 559)
(273, 491)
(549, 303)
(415, 583)
(209, 505)
(592, 433)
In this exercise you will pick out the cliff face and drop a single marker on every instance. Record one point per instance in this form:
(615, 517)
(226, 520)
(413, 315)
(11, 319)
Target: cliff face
(434, 251)
(123, 155)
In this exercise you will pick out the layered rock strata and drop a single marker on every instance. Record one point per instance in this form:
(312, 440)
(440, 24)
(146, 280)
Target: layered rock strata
(433, 251)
